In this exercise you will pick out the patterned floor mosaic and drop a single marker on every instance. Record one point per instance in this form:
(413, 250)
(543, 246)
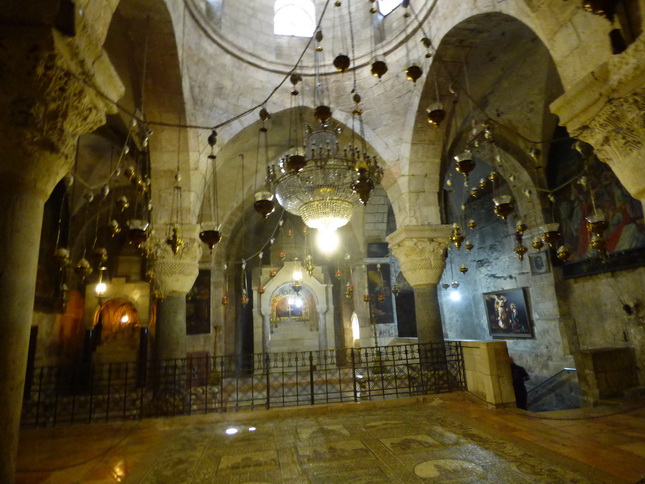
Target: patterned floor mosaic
(447, 440)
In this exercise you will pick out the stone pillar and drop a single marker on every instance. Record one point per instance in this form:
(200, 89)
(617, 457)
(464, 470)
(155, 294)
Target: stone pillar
(43, 109)
(420, 251)
(605, 109)
(175, 275)
(322, 331)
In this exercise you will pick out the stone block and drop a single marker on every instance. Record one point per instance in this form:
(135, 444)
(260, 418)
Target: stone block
(488, 372)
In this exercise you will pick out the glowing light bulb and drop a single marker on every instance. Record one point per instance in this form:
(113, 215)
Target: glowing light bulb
(100, 288)
(327, 241)
(455, 296)
(231, 431)
(125, 319)
(299, 302)
(297, 275)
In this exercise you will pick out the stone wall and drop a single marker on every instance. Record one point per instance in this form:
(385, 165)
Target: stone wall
(596, 305)
(493, 266)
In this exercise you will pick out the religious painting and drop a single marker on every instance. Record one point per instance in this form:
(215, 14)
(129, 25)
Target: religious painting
(591, 189)
(286, 304)
(380, 292)
(198, 305)
(507, 314)
(539, 263)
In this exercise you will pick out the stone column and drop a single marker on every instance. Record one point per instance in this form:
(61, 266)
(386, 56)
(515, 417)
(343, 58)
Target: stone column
(420, 251)
(605, 109)
(322, 331)
(43, 109)
(175, 275)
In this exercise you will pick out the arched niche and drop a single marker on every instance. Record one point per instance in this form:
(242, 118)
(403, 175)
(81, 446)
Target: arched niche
(318, 293)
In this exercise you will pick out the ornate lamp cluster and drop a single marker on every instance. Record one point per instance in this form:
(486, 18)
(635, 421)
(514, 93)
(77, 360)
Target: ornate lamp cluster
(325, 183)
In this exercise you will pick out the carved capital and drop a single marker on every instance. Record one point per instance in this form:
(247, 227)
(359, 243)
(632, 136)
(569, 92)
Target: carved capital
(48, 96)
(421, 253)
(618, 135)
(606, 109)
(175, 274)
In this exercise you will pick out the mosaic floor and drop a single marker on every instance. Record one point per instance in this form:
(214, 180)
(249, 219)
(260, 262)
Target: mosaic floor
(447, 439)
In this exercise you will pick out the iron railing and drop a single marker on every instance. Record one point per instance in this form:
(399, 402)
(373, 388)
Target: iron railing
(119, 391)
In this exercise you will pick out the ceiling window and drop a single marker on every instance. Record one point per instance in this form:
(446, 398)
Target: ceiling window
(385, 7)
(294, 17)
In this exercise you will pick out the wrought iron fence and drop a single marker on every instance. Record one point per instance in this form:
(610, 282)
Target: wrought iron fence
(118, 391)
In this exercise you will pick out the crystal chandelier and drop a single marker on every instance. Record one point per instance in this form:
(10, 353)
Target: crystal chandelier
(325, 184)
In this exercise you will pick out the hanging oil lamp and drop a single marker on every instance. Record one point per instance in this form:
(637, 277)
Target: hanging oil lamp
(503, 206)
(272, 273)
(366, 298)
(436, 114)
(130, 173)
(379, 68)
(122, 203)
(551, 234)
(537, 243)
(472, 224)
(264, 204)
(395, 290)
(468, 245)
(520, 250)
(597, 224)
(381, 297)
(349, 290)
(463, 269)
(456, 237)
(83, 268)
(174, 240)
(137, 232)
(261, 289)
(598, 243)
(413, 73)
(62, 258)
(210, 235)
(342, 62)
(224, 300)
(464, 163)
(99, 256)
(475, 192)
(564, 252)
(114, 228)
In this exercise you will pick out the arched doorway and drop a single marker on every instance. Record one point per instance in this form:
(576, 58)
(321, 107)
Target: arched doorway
(116, 332)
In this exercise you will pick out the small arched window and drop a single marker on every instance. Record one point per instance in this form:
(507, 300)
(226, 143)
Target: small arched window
(294, 17)
(385, 7)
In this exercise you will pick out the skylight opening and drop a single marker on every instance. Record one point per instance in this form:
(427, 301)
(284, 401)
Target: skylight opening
(296, 18)
(385, 7)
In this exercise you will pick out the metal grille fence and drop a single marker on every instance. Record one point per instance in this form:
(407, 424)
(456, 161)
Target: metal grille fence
(119, 391)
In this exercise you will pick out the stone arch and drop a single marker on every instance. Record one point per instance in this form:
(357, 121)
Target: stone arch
(430, 147)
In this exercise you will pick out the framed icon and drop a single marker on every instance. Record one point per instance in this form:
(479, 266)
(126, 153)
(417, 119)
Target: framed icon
(507, 314)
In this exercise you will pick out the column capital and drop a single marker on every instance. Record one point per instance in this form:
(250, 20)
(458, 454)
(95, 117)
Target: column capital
(50, 93)
(605, 109)
(175, 274)
(420, 251)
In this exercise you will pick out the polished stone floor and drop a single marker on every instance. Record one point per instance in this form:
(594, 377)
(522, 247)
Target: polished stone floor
(447, 438)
